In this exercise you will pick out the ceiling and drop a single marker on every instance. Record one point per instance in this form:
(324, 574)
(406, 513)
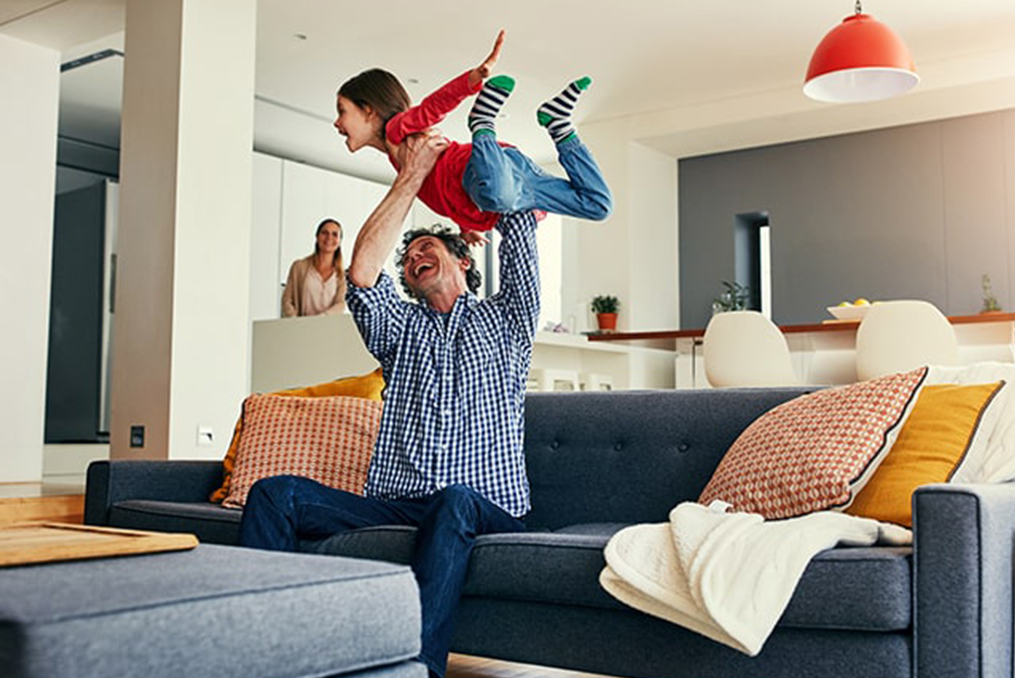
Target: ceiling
(645, 56)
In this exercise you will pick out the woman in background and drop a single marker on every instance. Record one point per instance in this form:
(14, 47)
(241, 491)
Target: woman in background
(316, 283)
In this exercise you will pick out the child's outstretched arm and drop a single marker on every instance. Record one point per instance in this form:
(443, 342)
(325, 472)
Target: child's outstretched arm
(481, 72)
(432, 110)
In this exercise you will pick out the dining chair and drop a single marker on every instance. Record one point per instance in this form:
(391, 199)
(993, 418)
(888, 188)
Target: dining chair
(896, 336)
(744, 348)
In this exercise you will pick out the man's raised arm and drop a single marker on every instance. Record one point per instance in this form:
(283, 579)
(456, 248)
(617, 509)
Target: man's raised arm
(379, 235)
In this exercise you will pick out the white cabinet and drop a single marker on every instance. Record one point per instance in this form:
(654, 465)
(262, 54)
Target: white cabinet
(265, 219)
(289, 201)
(310, 195)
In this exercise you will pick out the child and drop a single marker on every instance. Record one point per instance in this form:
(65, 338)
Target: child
(475, 183)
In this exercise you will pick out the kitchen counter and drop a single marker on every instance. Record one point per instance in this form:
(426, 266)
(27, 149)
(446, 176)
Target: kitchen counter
(824, 353)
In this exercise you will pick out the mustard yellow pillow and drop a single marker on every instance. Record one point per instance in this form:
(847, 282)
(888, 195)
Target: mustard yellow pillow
(931, 446)
(367, 386)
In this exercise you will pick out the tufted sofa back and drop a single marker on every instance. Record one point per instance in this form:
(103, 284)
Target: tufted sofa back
(630, 456)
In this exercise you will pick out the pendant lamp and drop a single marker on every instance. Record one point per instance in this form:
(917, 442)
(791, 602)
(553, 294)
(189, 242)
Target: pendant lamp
(861, 59)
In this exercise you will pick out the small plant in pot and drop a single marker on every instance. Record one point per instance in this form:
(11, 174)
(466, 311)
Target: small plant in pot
(605, 307)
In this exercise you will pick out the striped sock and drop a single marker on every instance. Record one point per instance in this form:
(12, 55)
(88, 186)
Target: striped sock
(488, 103)
(555, 114)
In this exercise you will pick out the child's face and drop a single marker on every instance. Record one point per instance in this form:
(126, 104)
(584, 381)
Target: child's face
(360, 126)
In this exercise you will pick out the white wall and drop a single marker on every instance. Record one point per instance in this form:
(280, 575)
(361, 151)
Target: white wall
(30, 82)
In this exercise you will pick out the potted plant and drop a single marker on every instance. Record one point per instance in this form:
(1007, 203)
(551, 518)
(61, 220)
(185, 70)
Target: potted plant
(605, 307)
(734, 298)
(990, 304)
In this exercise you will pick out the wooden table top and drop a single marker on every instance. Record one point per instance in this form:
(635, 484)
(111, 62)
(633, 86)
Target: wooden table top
(832, 326)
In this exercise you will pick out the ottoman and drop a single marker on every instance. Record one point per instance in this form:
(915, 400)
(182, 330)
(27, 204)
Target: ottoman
(211, 611)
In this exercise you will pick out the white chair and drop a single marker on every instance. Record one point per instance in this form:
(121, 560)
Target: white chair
(744, 348)
(896, 336)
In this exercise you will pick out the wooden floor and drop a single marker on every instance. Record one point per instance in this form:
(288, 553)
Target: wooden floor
(31, 502)
(466, 666)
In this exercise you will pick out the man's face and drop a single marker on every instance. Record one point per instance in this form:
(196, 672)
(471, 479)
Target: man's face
(430, 268)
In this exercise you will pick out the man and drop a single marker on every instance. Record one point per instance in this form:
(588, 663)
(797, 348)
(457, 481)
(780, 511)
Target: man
(448, 457)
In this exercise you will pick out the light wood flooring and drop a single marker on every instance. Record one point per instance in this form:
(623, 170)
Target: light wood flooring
(30, 502)
(467, 666)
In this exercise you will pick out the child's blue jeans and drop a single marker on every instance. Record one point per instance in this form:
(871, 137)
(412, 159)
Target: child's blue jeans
(503, 179)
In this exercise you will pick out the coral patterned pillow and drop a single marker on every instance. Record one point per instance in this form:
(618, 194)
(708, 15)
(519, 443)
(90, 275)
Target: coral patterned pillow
(328, 439)
(366, 386)
(814, 452)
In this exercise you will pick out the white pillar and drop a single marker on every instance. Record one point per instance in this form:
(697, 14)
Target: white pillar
(181, 350)
(30, 83)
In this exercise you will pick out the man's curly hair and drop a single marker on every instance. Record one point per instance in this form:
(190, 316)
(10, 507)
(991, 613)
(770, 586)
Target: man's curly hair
(455, 245)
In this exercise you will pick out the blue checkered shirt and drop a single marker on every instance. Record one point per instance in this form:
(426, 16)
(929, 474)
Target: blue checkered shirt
(455, 384)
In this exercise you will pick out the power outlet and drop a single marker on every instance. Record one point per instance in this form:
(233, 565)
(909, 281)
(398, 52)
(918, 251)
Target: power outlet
(205, 435)
(137, 436)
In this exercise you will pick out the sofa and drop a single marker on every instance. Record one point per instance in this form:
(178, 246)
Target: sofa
(600, 461)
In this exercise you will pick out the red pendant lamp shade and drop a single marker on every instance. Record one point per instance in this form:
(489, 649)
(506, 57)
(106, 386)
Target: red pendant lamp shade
(861, 59)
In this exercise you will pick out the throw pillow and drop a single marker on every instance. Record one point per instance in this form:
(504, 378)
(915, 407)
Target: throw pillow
(813, 452)
(327, 439)
(367, 386)
(931, 446)
(991, 455)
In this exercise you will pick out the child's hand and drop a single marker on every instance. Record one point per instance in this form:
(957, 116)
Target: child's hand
(481, 72)
(474, 238)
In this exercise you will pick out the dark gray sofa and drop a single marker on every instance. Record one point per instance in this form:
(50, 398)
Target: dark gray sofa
(598, 461)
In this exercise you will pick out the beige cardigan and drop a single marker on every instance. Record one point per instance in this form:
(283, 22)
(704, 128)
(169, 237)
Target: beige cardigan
(292, 295)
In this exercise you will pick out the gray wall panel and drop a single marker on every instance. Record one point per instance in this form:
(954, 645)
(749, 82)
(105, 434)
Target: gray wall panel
(974, 209)
(910, 212)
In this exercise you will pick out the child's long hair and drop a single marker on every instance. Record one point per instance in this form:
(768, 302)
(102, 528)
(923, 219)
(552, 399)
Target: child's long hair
(379, 90)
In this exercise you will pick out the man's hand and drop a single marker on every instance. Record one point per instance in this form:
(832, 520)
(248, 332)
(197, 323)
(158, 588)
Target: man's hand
(421, 152)
(481, 72)
(475, 238)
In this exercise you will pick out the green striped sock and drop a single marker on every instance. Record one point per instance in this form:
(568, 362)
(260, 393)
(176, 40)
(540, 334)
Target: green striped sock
(555, 114)
(495, 92)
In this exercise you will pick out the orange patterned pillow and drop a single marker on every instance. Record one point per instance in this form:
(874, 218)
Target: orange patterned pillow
(328, 439)
(365, 386)
(814, 452)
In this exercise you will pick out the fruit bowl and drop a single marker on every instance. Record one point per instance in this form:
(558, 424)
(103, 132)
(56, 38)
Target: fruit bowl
(850, 312)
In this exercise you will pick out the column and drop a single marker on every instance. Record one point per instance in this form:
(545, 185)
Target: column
(181, 354)
(30, 83)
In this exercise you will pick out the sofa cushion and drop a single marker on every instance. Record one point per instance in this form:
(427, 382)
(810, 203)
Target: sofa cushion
(865, 589)
(211, 611)
(330, 440)
(365, 386)
(933, 444)
(210, 522)
(815, 452)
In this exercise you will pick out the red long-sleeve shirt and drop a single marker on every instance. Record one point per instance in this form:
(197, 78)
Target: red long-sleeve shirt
(442, 190)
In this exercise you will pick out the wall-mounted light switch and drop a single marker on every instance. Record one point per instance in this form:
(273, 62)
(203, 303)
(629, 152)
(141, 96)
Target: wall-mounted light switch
(205, 435)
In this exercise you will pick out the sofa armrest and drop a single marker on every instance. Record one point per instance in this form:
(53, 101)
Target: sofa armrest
(964, 539)
(110, 482)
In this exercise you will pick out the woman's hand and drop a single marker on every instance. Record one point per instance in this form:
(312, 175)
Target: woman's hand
(481, 72)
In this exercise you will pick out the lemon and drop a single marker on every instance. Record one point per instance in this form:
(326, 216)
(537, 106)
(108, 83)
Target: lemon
(861, 302)
(845, 303)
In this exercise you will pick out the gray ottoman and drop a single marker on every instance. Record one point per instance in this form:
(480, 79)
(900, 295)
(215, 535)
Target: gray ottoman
(213, 611)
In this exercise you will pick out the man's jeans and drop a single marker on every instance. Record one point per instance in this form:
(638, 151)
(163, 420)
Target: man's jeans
(503, 179)
(282, 510)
